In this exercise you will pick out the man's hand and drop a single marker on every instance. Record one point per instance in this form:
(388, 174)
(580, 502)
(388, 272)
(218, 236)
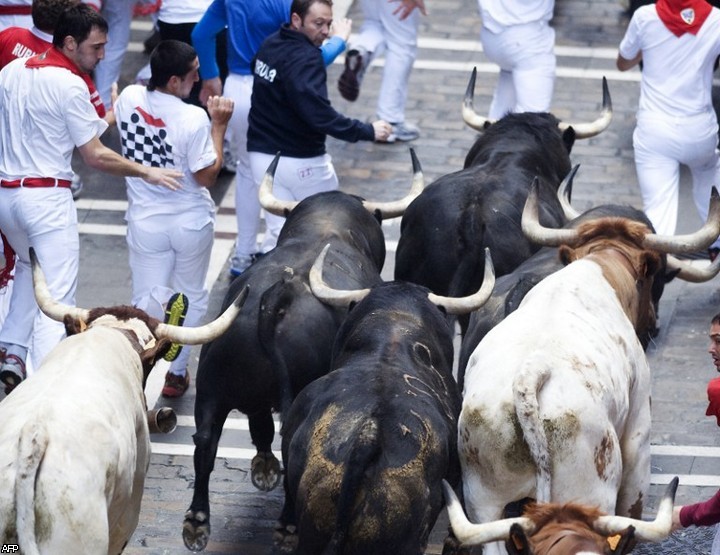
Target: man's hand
(163, 177)
(220, 109)
(406, 7)
(341, 28)
(382, 130)
(676, 525)
(210, 87)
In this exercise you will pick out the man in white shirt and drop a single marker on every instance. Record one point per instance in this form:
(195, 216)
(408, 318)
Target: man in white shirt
(678, 42)
(170, 233)
(516, 35)
(45, 113)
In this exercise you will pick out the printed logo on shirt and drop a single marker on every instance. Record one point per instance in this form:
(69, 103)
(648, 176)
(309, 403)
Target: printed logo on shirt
(688, 15)
(22, 51)
(143, 140)
(265, 71)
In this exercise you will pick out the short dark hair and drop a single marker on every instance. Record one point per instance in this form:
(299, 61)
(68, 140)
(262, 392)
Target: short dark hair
(45, 13)
(77, 22)
(301, 7)
(715, 319)
(170, 57)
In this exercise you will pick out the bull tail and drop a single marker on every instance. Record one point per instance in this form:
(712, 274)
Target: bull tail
(365, 450)
(526, 388)
(31, 450)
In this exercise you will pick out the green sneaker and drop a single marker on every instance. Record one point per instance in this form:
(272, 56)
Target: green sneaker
(175, 311)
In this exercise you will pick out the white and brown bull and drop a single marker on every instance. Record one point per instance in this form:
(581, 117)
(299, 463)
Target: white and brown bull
(556, 404)
(563, 529)
(74, 438)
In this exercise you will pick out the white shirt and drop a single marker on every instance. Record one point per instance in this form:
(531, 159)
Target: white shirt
(159, 129)
(182, 11)
(498, 14)
(677, 72)
(44, 114)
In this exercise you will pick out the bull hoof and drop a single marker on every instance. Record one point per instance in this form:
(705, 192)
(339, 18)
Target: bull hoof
(285, 538)
(196, 531)
(265, 471)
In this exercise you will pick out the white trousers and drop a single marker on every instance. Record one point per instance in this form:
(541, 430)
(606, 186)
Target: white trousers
(295, 179)
(715, 549)
(382, 31)
(46, 220)
(661, 144)
(525, 54)
(247, 205)
(167, 255)
(118, 14)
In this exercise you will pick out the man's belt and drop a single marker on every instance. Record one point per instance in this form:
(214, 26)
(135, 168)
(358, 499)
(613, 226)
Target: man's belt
(15, 10)
(35, 182)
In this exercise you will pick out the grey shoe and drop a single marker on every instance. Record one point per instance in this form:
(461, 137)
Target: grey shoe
(356, 62)
(229, 160)
(402, 131)
(12, 372)
(76, 186)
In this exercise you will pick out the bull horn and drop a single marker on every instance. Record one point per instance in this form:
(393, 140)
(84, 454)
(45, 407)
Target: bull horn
(691, 273)
(208, 332)
(564, 193)
(534, 230)
(325, 293)
(162, 420)
(50, 307)
(691, 242)
(267, 200)
(470, 116)
(463, 305)
(475, 534)
(587, 130)
(655, 531)
(397, 208)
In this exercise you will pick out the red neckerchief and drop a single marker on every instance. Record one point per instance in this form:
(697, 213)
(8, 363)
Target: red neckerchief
(683, 16)
(55, 58)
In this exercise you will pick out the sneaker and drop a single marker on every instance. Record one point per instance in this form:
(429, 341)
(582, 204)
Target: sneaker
(402, 131)
(239, 264)
(229, 161)
(175, 386)
(76, 186)
(175, 312)
(12, 372)
(356, 62)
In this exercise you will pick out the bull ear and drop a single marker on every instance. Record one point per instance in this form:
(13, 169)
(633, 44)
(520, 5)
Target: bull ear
(566, 254)
(151, 355)
(568, 137)
(517, 543)
(622, 543)
(73, 325)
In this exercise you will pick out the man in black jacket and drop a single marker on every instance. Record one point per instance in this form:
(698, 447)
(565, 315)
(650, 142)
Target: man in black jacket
(290, 111)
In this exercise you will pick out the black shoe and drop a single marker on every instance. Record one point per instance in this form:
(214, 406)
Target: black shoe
(355, 65)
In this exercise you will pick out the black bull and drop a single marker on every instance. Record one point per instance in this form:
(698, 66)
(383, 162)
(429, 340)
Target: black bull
(366, 446)
(446, 229)
(283, 338)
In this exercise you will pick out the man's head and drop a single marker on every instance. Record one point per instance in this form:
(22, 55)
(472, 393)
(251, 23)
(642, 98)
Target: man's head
(81, 34)
(714, 349)
(174, 68)
(45, 13)
(312, 18)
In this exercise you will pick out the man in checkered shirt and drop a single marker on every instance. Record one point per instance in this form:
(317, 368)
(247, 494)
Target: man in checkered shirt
(170, 233)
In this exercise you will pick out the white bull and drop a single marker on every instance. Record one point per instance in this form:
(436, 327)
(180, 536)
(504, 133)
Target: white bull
(74, 440)
(556, 404)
